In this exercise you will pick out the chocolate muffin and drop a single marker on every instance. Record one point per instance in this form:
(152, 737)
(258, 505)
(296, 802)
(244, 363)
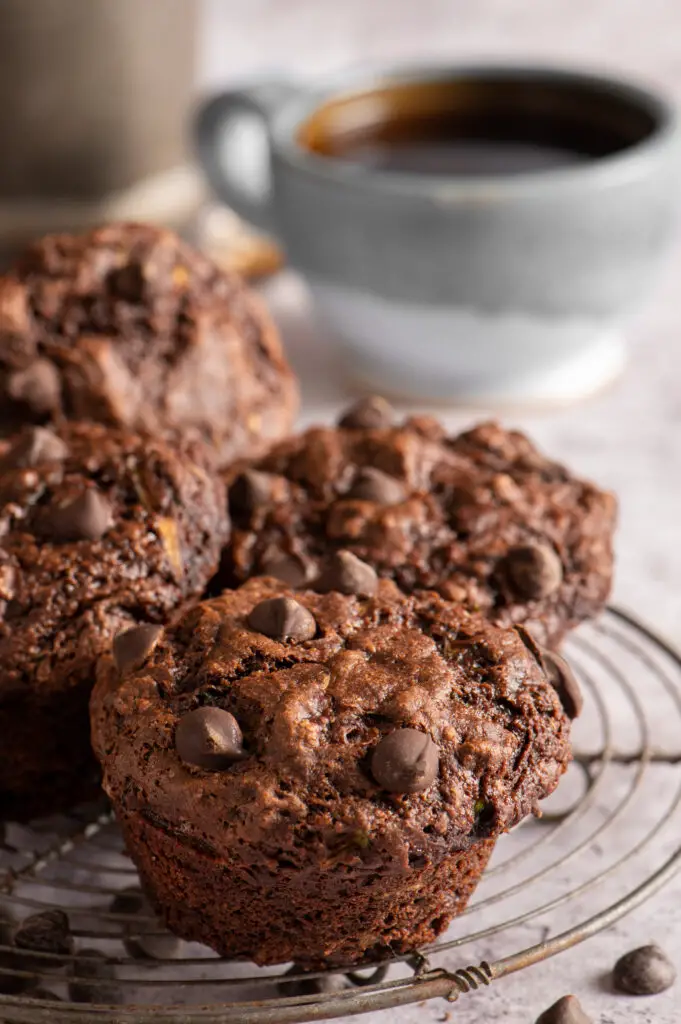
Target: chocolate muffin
(100, 530)
(322, 777)
(129, 326)
(483, 518)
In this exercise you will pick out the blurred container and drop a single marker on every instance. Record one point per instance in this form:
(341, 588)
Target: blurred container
(96, 97)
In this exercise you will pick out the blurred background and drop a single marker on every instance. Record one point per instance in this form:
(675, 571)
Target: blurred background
(242, 37)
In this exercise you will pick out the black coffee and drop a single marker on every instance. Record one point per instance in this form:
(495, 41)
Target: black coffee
(496, 126)
(462, 156)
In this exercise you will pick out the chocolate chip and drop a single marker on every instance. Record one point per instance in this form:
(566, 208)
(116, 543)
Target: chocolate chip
(558, 673)
(348, 574)
(139, 944)
(250, 490)
(46, 932)
(374, 485)
(133, 646)
(405, 761)
(87, 517)
(282, 618)
(209, 738)
(33, 446)
(533, 571)
(644, 972)
(564, 682)
(37, 386)
(372, 413)
(566, 1011)
(533, 647)
(287, 568)
(93, 964)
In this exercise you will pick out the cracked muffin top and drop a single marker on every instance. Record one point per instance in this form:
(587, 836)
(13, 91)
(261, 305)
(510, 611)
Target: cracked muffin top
(99, 528)
(483, 517)
(130, 326)
(281, 725)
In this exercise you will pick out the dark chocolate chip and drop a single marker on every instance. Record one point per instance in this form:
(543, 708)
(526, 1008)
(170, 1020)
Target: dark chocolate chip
(405, 761)
(374, 485)
(33, 446)
(566, 1011)
(140, 944)
(282, 618)
(91, 965)
(533, 647)
(644, 972)
(287, 568)
(372, 413)
(564, 682)
(533, 571)
(46, 932)
(348, 574)
(300, 985)
(129, 282)
(209, 738)
(250, 490)
(132, 647)
(87, 517)
(558, 673)
(37, 386)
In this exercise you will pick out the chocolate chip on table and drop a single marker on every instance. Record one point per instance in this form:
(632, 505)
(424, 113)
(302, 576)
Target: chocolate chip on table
(92, 965)
(564, 682)
(644, 972)
(287, 568)
(372, 413)
(33, 446)
(209, 738)
(375, 485)
(405, 761)
(348, 574)
(132, 647)
(142, 945)
(87, 517)
(250, 490)
(38, 387)
(46, 932)
(533, 571)
(282, 618)
(566, 1011)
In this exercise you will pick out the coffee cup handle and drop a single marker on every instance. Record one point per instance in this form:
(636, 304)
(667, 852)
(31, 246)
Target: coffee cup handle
(232, 138)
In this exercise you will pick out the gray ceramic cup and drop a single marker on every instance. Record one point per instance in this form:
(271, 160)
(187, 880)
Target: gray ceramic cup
(511, 288)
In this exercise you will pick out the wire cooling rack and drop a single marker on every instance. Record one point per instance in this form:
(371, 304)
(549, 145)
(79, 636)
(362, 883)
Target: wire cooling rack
(611, 829)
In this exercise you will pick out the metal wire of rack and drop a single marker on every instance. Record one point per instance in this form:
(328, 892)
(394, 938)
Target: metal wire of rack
(126, 968)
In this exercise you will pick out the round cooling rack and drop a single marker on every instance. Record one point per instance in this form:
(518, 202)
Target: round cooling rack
(608, 840)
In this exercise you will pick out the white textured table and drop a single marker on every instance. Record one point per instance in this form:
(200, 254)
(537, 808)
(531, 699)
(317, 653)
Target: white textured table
(628, 439)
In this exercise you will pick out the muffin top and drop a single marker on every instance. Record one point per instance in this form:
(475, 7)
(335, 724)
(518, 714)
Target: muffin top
(483, 517)
(279, 725)
(130, 326)
(99, 528)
